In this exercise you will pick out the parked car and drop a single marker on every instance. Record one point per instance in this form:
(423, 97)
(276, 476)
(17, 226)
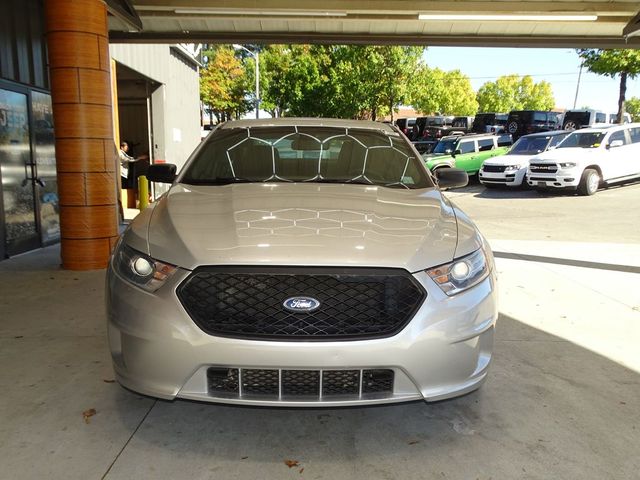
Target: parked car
(626, 118)
(483, 122)
(510, 169)
(302, 262)
(575, 119)
(523, 122)
(430, 121)
(406, 125)
(588, 159)
(458, 126)
(467, 152)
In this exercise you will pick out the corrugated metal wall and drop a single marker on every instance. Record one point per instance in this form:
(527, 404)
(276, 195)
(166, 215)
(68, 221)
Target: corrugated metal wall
(23, 54)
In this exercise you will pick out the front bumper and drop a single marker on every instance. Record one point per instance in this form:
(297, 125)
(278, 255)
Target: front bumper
(509, 179)
(559, 179)
(443, 352)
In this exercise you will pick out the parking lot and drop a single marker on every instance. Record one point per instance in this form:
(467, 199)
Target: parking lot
(561, 400)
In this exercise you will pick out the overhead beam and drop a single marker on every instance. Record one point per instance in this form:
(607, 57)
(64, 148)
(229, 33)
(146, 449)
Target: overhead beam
(123, 9)
(633, 27)
(376, 39)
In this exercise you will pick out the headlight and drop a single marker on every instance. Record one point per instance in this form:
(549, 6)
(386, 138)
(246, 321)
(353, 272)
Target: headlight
(461, 274)
(567, 165)
(140, 269)
(511, 168)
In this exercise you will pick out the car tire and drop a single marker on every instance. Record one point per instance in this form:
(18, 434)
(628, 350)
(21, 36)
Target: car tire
(570, 125)
(589, 182)
(513, 128)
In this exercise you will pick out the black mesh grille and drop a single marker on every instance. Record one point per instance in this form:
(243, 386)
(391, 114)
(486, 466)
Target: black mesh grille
(376, 381)
(340, 382)
(223, 380)
(493, 168)
(300, 382)
(260, 382)
(354, 303)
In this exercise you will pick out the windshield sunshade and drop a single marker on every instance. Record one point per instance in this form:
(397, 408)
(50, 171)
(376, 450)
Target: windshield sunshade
(306, 154)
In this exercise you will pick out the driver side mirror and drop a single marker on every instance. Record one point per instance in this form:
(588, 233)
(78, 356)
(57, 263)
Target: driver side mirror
(451, 177)
(615, 143)
(162, 173)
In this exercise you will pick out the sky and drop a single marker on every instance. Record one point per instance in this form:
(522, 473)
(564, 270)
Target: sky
(558, 66)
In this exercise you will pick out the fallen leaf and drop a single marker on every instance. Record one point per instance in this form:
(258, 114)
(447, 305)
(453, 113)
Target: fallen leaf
(87, 414)
(623, 403)
(301, 470)
(244, 458)
(291, 463)
(413, 442)
(105, 380)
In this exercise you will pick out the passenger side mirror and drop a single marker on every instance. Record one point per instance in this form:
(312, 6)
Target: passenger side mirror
(615, 143)
(162, 173)
(451, 177)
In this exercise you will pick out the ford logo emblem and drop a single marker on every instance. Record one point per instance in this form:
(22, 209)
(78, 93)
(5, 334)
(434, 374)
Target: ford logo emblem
(301, 304)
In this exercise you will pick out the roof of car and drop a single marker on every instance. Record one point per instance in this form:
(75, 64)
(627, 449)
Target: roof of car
(552, 133)
(308, 122)
(475, 135)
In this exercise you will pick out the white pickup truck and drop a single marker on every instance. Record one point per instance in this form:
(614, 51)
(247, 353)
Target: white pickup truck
(588, 159)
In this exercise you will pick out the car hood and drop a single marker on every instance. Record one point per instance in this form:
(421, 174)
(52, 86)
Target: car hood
(511, 159)
(303, 224)
(576, 154)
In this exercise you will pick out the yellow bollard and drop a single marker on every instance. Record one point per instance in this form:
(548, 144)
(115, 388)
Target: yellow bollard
(143, 192)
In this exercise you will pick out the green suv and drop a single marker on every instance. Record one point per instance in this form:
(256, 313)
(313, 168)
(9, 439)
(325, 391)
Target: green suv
(467, 152)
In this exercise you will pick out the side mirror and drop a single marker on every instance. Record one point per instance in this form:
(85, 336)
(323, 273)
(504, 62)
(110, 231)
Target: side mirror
(162, 173)
(451, 177)
(615, 143)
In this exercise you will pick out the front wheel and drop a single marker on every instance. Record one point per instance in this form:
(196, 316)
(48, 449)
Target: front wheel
(589, 182)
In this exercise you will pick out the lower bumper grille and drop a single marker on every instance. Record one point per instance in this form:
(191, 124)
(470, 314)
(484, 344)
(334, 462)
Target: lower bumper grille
(308, 385)
(543, 168)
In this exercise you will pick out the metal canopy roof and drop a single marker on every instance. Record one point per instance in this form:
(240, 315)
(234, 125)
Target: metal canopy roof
(539, 23)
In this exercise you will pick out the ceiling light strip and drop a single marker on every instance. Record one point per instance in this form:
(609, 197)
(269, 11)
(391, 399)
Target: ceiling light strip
(268, 13)
(508, 18)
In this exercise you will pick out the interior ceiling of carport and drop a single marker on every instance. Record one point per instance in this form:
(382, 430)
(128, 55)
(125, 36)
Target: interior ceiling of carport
(377, 22)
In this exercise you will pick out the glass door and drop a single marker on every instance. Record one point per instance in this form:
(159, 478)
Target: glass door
(20, 229)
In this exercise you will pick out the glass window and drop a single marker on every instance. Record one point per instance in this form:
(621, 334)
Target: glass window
(619, 135)
(485, 144)
(540, 117)
(468, 146)
(601, 118)
(556, 139)
(583, 140)
(634, 134)
(306, 154)
(529, 146)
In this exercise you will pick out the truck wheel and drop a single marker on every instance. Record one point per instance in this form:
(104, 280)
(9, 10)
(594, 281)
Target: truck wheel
(589, 182)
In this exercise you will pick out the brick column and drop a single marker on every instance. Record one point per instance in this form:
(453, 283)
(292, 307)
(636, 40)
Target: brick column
(86, 157)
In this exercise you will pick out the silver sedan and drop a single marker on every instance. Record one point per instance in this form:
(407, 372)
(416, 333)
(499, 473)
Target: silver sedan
(302, 262)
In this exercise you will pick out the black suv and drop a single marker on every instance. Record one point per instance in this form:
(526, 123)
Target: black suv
(458, 126)
(489, 122)
(406, 125)
(524, 122)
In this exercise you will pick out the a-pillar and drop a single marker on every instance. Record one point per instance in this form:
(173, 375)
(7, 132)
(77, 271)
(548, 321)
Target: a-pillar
(86, 156)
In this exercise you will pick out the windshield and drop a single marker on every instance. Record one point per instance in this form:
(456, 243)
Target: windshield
(445, 147)
(306, 154)
(583, 140)
(529, 146)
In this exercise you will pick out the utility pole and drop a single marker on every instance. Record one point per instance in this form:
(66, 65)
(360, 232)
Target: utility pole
(575, 101)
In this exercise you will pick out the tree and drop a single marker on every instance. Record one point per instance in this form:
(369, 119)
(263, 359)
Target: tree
(611, 63)
(512, 92)
(633, 107)
(222, 84)
(435, 90)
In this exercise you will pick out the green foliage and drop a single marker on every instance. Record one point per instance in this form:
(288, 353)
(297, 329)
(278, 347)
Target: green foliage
(512, 92)
(222, 83)
(611, 62)
(435, 90)
(633, 107)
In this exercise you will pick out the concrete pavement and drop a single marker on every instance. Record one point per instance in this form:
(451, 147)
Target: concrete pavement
(560, 400)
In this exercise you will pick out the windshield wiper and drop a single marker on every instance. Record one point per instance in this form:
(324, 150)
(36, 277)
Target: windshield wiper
(218, 181)
(335, 180)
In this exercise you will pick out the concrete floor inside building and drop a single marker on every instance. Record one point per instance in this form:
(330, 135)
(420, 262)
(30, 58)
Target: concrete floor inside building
(561, 400)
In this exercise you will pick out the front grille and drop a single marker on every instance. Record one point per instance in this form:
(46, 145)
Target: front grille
(493, 168)
(543, 168)
(312, 385)
(245, 302)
